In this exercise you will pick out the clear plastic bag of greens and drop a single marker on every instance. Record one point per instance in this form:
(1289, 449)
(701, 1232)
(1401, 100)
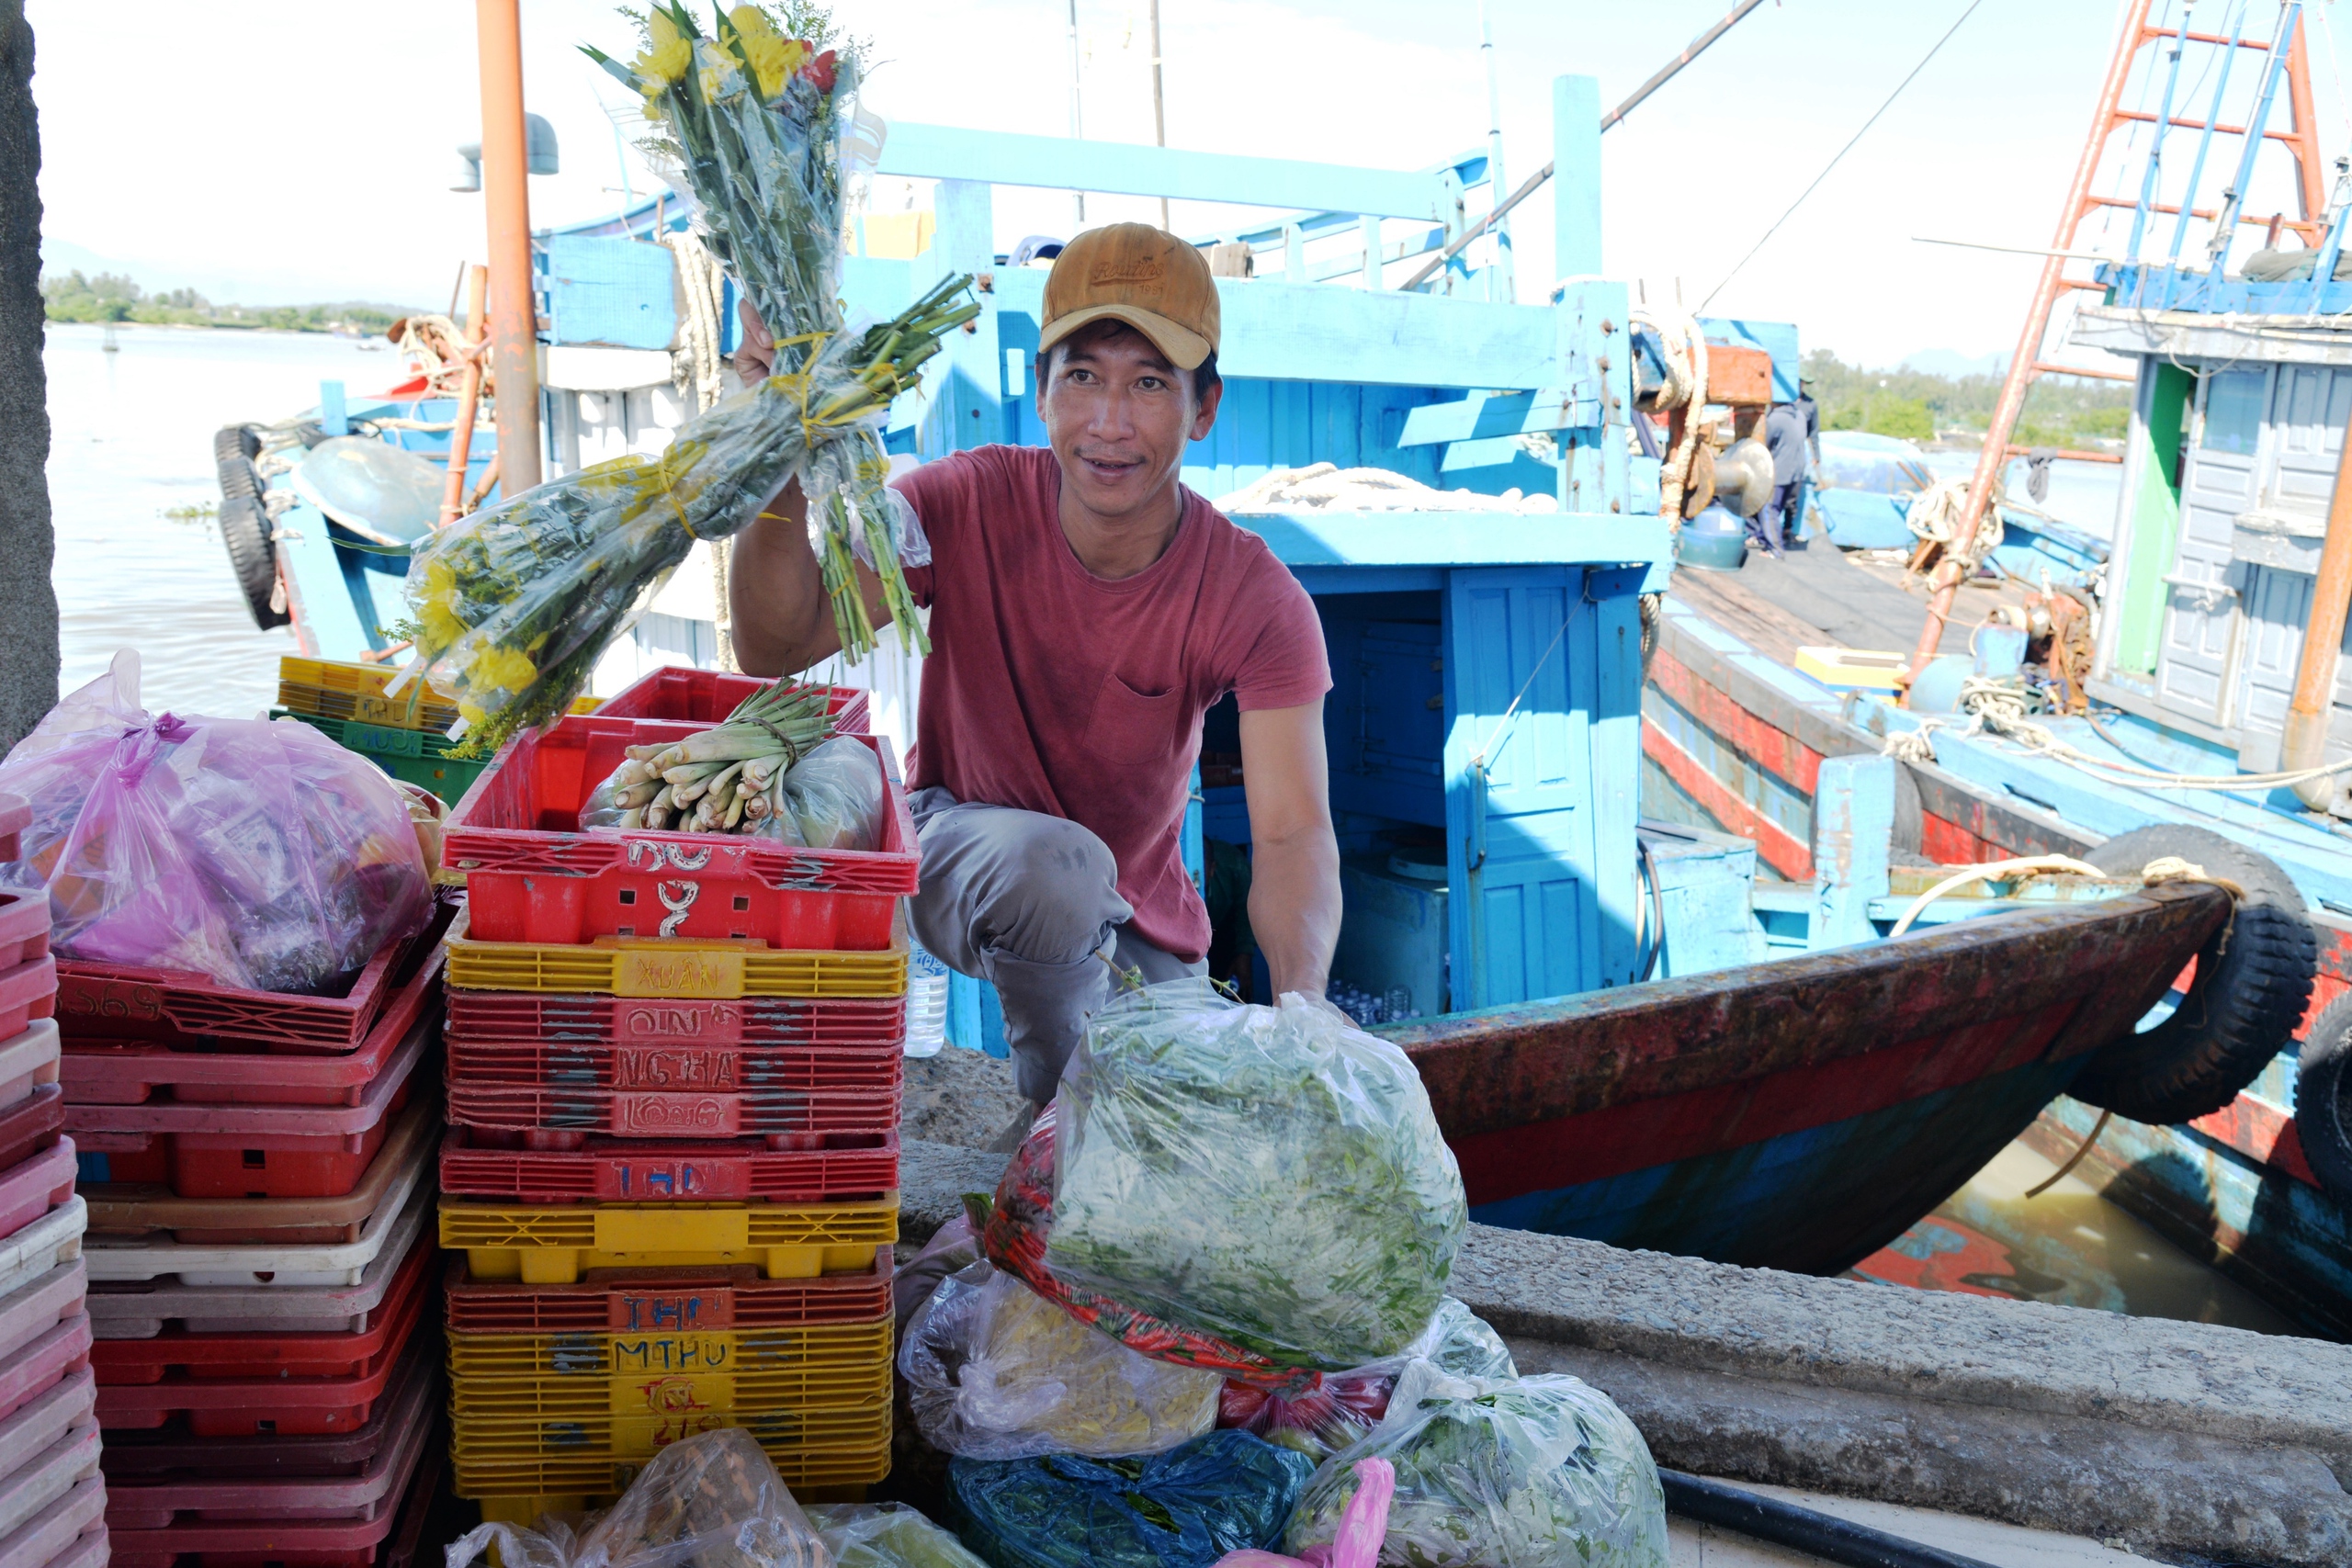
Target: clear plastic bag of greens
(1322, 1421)
(836, 796)
(709, 1501)
(1503, 1473)
(994, 1371)
(1225, 1492)
(887, 1535)
(1270, 1175)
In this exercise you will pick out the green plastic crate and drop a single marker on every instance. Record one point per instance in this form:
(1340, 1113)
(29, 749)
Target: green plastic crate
(412, 756)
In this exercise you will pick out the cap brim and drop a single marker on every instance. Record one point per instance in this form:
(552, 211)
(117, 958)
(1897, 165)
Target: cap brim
(1185, 347)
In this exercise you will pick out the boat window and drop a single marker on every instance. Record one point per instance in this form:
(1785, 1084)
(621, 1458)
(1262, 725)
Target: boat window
(2233, 411)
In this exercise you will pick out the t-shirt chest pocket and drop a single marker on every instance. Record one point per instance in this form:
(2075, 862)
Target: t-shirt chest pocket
(1128, 725)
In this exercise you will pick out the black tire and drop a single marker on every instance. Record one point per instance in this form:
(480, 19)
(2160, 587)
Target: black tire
(2323, 1099)
(239, 479)
(2253, 982)
(245, 529)
(235, 441)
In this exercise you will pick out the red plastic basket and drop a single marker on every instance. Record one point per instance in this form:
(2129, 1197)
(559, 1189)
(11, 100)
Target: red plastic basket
(28, 991)
(115, 1073)
(522, 1018)
(264, 1354)
(30, 1188)
(627, 1171)
(24, 928)
(628, 1300)
(31, 1125)
(138, 1208)
(27, 1060)
(249, 1151)
(531, 877)
(707, 696)
(390, 1535)
(268, 1404)
(129, 1001)
(169, 1507)
(171, 1453)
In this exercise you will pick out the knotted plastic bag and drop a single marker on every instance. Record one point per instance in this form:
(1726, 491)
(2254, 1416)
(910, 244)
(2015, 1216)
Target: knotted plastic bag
(1272, 1176)
(1364, 1527)
(887, 1535)
(1320, 1422)
(711, 1501)
(993, 1371)
(260, 854)
(836, 796)
(1186, 1509)
(1502, 1472)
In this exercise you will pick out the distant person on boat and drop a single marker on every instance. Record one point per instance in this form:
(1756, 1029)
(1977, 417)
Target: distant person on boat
(1086, 609)
(1784, 435)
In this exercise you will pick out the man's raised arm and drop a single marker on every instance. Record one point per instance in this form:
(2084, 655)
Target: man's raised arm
(783, 622)
(1294, 857)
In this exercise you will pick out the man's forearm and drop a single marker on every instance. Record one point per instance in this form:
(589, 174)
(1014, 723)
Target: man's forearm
(781, 620)
(1295, 909)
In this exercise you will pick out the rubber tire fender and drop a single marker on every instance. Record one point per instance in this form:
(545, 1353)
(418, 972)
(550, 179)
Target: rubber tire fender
(2323, 1099)
(235, 441)
(2254, 980)
(245, 531)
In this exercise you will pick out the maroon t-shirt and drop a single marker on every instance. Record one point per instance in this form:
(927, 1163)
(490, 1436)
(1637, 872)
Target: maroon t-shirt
(1054, 690)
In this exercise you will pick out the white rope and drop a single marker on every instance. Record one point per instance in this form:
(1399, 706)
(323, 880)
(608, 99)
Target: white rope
(1934, 513)
(1686, 386)
(1325, 487)
(701, 379)
(1994, 871)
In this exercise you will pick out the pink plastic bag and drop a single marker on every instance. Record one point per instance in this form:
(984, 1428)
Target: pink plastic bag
(1362, 1527)
(262, 855)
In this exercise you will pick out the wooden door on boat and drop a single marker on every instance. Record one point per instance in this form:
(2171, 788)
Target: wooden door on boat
(2195, 677)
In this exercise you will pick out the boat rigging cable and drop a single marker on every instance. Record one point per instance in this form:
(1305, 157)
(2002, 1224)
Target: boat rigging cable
(1800, 201)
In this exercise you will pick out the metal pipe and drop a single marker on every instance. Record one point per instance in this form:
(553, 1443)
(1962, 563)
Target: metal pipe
(1498, 271)
(1158, 102)
(1990, 461)
(1690, 51)
(506, 200)
(1806, 1529)
(461, 433)
(1076, 120)
(2304, 743)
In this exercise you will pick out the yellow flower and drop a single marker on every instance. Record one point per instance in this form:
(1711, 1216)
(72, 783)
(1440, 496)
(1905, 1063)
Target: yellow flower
(496, 669)
(773, 57)
(475, 716)
(667, 55)
(437, 612)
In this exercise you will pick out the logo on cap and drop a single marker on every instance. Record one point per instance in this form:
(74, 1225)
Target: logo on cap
(1142, 269)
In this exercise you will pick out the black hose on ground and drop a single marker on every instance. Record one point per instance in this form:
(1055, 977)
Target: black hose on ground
(1803, 1530)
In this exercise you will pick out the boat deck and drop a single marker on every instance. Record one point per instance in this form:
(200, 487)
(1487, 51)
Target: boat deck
(1819, 595)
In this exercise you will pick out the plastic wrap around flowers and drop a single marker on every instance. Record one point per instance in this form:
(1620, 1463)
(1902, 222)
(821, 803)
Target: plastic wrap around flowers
(514, 606)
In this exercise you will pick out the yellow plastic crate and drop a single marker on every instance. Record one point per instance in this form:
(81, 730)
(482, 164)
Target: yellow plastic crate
(651, 967)
(522, 1459)
(326, 688)
(831, 1367)
(551, 1244)
(1854, 669)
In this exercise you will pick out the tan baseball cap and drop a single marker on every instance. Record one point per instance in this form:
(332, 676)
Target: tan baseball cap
(1144, 276)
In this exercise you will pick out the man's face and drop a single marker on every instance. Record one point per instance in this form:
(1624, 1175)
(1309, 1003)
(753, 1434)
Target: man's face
(1118, 416)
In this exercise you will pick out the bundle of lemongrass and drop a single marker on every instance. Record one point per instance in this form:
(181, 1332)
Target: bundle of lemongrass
(721, 780)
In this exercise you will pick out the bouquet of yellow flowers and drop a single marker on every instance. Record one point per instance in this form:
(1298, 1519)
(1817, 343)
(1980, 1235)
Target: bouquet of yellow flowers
(514, 606)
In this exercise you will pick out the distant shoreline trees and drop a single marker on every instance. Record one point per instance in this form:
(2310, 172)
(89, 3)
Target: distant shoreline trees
(111, 297)
(1916, 405)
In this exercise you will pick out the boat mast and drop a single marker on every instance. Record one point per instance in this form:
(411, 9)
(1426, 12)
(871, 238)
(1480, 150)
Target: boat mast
(506, 201)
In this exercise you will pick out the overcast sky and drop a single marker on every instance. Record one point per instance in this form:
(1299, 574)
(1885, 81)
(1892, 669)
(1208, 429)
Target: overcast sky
(267, 151)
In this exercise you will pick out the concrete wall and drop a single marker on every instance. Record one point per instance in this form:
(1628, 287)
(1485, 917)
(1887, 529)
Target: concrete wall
(28, 603)
(2178, 1438)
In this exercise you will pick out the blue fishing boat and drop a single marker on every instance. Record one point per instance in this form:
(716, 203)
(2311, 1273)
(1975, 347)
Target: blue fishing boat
(1631, 1029)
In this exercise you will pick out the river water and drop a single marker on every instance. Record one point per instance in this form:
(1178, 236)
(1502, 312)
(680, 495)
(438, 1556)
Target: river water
(131, 439)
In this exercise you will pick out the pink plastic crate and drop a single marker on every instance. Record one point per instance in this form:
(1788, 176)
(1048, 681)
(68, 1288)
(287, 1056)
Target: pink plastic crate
(37, 1308)
(27, 1061)
(28, 991)
(69, 1533)
(393, 1538)
(17, 814)
(141, 1309)
(30, 1188)
(171, 1506)
(30, 1125)
(33, 1443)
(706, 696)
(24, 928)
(41, 1360)
(532, 877)
(135, 1073)
(625, 1170)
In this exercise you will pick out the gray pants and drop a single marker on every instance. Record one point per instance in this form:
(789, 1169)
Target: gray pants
(1030, 904)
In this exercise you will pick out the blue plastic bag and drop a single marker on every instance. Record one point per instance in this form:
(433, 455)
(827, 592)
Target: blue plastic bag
(1185, 1509)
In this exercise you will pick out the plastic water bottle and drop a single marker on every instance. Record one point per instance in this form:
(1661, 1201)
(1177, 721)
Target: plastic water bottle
(926, 1002)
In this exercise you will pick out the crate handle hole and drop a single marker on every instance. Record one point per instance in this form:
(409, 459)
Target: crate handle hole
(257, 1159)
(629, 894)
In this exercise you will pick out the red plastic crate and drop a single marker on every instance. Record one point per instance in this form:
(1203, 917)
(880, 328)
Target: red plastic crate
(626, 1300)
(707, 696)
(249, 1151)
(171, 1453)
(31, 1125)
(32, 1186)
(28, 991)
(141, 1309)
(393, 1537)
(130, 1001)
(36, 1309)
(262, 1353)
(613, 1171)
(264, 1405)
(523, 1018)
(163, 1505)
(138, 1208)
(129, 1073)
(532, 877)
(24, 928)
(27, 1061)
(49, 1438)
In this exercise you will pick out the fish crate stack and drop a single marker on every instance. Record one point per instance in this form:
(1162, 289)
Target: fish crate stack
(257, 1170)
(672, 1080)
(53, 1498)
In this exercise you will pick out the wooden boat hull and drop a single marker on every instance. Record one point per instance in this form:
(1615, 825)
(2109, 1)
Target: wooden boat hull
(1800, 1114)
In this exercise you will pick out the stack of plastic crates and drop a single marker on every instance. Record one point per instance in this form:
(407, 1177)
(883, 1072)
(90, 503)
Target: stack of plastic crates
(673, 1076)
(258, 1171)
(407, 734)
(52, 1499)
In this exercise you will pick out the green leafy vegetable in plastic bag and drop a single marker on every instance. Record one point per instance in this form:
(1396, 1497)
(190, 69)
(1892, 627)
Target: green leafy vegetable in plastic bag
(886, 1535)
(1225, 1492)
(1273, 1175)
